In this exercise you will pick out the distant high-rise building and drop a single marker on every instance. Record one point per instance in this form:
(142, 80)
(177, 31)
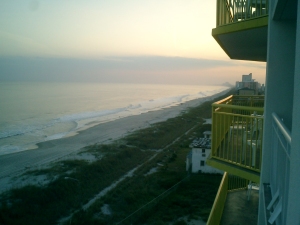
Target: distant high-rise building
(248, 86)
(247, 78)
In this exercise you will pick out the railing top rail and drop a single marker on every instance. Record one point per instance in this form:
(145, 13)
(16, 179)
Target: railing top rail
(249, 108)
(283, 129)
(223, 100)
(234, 97)
(219, 202)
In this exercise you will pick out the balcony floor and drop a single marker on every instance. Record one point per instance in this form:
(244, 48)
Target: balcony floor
(238, 210)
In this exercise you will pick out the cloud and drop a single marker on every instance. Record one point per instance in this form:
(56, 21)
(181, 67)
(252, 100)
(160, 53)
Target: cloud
(133, 69)
(13, 44)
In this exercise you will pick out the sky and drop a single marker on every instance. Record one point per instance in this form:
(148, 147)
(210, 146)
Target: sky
(139, 41)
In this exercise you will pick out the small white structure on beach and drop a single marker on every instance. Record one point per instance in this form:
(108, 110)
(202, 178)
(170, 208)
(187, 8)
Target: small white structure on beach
(196, 159)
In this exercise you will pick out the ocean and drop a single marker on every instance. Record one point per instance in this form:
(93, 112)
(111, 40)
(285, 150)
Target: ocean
(33, 112)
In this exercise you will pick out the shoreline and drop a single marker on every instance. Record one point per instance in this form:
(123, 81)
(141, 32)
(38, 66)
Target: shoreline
(67, 117)
(54, 150)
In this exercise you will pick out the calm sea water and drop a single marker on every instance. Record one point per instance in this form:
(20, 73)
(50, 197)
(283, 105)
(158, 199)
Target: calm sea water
(34, 112)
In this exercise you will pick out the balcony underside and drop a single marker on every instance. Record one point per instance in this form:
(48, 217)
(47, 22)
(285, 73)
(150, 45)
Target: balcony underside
(244, 40)
(234, 169)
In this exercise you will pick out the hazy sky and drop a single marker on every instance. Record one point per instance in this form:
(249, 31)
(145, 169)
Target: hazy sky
(160, 41)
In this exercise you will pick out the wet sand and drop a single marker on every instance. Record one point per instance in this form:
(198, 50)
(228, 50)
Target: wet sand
(15, 164)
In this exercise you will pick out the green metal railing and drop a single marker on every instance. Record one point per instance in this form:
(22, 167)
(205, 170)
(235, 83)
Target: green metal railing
(237, 128)
(230, 11)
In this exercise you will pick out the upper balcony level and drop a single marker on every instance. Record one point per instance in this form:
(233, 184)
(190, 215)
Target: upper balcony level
(237, 129)
(242, 28)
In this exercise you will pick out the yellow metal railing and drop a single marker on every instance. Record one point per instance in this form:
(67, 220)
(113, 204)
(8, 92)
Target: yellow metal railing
(237, 183)
(228, 183)
(218, 206)
(230, 11)
(237, 128)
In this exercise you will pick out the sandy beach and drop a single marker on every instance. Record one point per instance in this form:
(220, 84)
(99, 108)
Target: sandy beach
(15, 164)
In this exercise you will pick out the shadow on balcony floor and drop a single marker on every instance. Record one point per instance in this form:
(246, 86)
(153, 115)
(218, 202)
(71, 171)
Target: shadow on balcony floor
(238, 210)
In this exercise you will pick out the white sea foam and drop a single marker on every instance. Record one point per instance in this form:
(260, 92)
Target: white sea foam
(7, 149)
(68, 113)
(56, 136)
(22, 128)
(88, 115)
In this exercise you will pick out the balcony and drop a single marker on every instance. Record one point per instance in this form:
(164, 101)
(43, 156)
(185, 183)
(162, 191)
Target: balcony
(242, 28)
(237, 130)
(235, 202)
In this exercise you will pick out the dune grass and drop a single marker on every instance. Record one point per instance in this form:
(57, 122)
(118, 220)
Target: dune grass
(46, 204)
(193, 197)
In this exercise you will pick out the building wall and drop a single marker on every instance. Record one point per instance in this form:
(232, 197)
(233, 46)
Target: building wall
(199, 156)
(188, 162)
(247, 78)
(251, 85)
(282, 96)
(246, 92)
(279, 74)
(293, 215)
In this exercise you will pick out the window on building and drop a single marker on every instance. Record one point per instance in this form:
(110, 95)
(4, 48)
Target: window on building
(202, 163)
(203, 150)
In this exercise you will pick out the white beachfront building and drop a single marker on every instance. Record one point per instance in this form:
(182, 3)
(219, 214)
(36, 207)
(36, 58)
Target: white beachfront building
(196, 159)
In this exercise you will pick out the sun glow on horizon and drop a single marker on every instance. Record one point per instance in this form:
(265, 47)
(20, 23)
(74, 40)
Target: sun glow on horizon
(114, 30)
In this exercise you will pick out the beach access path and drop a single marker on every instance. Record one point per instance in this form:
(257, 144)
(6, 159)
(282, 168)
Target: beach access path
(15, 164)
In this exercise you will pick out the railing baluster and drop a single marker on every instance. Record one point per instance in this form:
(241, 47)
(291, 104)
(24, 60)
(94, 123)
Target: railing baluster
(233, 11)
(237, 131)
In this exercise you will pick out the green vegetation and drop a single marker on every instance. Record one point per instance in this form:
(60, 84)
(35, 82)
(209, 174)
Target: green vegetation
(46, 204)
(193, 197)
(156, 198)
(161, 134)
